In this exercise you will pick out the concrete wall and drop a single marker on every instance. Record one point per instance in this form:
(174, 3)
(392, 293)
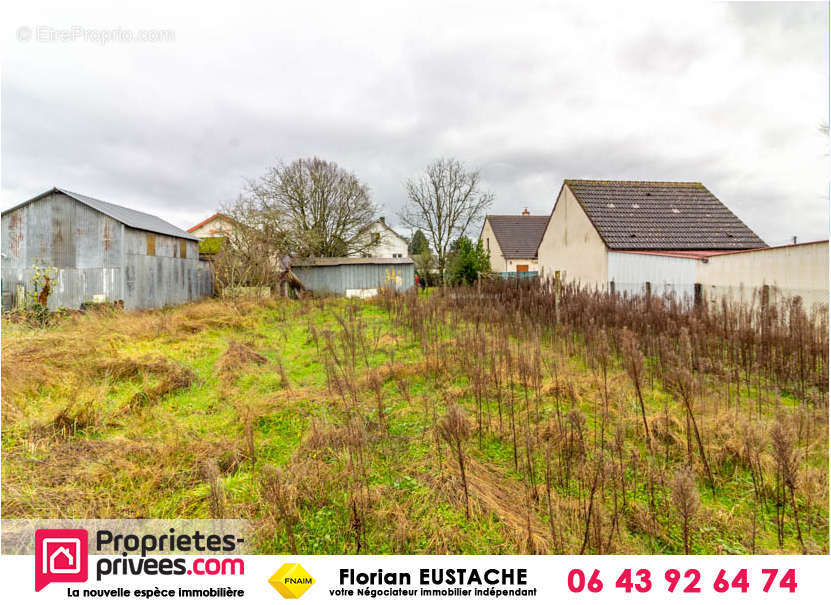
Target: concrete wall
(337, 279)
(800, 270)
(789, 271)
(572, 246)
(666, 274)
(95, 255)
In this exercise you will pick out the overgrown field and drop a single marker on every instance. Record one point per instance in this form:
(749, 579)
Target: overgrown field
(506, 419)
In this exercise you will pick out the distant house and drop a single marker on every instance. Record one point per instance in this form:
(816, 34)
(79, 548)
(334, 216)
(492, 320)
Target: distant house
(511, 241)
(598, 231)
(383, 242)
(98, 251)
(216, 225)
(212, 233)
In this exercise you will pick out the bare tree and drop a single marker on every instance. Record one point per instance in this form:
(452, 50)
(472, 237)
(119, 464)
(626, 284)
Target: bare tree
(321, 209)
(250, 251)
(443, 203)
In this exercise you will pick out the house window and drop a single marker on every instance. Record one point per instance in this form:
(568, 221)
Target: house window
(488, 244)
(396, 255)
(376, 238)
(151, 244)
(183, 248)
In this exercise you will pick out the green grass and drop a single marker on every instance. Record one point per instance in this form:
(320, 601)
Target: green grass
(119, 461)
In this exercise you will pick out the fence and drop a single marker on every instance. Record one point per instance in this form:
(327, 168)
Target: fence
(519, 274)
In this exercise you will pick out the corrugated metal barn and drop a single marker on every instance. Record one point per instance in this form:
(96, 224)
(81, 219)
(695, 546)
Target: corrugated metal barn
(100, 251)
(349, 277)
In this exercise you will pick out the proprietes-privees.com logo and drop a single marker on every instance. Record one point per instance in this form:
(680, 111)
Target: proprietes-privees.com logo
(61, 555)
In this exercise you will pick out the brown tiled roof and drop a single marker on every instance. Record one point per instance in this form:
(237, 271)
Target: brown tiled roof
(518, 235)
(643, 215)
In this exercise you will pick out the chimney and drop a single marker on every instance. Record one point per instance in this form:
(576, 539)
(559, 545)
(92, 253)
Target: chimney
(525, 212)
(381, 220)
(794, 240)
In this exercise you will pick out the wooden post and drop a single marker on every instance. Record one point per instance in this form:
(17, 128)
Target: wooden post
(20, 296)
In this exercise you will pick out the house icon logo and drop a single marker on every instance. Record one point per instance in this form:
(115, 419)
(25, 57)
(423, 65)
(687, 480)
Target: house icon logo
(60, 556)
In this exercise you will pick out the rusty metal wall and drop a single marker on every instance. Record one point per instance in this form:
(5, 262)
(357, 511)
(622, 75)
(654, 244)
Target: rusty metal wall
(96, 255)
(164, 278)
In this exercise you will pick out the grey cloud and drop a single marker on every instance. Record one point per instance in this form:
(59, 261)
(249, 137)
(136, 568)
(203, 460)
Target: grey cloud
(560, 91)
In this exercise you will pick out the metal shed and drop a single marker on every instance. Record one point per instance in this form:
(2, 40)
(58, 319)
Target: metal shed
(99, 251)
(361, 277)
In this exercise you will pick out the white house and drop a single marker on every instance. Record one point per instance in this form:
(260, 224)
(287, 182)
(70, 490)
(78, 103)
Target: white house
(384, 242)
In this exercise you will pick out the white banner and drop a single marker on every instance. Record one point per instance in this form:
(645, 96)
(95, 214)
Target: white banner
(427, 579)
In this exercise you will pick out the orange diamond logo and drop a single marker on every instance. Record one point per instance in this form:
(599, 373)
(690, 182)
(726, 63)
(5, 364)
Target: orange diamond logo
(291, 580)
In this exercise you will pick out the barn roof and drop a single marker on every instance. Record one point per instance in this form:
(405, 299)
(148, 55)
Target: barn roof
(128, 216)
(518, 235)
(646, 215)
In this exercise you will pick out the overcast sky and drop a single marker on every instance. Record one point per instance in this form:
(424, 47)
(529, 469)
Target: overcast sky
(731, 95)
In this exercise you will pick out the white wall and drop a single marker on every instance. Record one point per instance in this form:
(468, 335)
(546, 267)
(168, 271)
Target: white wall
(390, 245)
(491, 245)
(666, 274)
(800, 270)
(789, 271)
(572, 246)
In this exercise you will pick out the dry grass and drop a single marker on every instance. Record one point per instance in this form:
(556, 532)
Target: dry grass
(187, 412)
(237, 356)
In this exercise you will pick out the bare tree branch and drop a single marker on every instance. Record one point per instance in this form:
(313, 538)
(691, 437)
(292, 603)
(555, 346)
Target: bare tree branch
(444, 202)
(324, 209)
